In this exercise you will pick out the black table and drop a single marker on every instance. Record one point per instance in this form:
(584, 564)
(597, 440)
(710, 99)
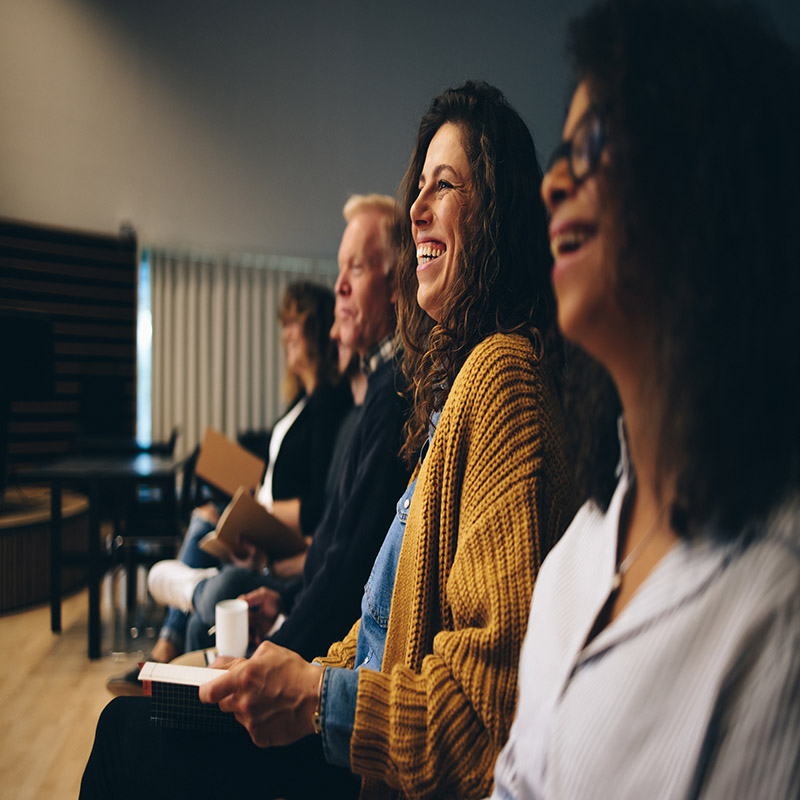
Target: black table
(96, 473)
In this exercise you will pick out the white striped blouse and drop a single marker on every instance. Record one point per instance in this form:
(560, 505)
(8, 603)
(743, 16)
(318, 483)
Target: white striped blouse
(693, 691)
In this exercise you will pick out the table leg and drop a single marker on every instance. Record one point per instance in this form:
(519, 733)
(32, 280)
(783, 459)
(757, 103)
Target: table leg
(55, 556)
(94, 570)
(171, 504)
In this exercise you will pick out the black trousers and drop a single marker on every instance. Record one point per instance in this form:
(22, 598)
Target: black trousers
(131, 759)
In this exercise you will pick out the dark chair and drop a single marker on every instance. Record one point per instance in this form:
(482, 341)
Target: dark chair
(147, 528)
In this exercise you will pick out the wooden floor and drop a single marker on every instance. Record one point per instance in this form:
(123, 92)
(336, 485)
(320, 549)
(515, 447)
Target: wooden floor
(51, 695)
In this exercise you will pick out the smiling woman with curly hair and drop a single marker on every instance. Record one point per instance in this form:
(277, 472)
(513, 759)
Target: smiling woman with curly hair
(501, 267)
(419, 696)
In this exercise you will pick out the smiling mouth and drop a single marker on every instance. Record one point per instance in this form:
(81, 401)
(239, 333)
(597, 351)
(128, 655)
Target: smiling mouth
(569, 241)
(428, 251)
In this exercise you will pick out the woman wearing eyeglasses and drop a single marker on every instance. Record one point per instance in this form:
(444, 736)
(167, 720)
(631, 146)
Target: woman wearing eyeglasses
(662, 657)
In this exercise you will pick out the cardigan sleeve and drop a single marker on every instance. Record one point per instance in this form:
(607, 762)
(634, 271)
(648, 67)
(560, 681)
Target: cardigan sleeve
(495, 482)
(342, 654)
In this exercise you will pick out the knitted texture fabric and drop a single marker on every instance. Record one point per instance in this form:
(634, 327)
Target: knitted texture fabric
(494, 494)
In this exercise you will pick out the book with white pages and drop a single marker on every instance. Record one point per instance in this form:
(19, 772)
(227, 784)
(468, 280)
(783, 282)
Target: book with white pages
(175, 698)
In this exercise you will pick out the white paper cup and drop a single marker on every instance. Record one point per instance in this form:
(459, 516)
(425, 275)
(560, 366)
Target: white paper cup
(231, 621)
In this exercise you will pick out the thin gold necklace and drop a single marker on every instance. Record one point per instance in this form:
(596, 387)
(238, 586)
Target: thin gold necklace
(630, 559)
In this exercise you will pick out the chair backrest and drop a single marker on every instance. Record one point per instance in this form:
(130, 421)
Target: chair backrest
(163, 448)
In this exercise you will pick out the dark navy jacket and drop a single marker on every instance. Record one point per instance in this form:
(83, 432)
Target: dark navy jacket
(349, 536)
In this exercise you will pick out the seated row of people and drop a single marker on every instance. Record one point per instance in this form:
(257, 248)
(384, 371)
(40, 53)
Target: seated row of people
(297, 452)
(662, 640)
(365, 470)
(486, 413)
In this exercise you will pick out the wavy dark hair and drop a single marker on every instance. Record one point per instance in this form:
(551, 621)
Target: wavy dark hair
(591, 411)
(313, 304)
(701, 107)
(503, 279)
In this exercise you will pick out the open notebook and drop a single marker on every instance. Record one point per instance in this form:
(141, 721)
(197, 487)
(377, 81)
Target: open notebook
(245, 517)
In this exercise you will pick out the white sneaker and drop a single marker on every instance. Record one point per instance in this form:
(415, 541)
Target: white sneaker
(172, 583)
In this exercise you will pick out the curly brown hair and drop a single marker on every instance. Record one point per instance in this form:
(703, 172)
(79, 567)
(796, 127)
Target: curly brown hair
(503, 279)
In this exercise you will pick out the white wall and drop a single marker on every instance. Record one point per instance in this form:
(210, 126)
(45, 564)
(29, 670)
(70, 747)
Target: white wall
(246, 123)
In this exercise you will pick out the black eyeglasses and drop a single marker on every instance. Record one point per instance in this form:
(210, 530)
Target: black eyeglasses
(584, 149)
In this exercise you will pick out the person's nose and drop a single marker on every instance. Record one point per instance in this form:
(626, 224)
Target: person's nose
(557, 185)
(342, 287)
(420, 211)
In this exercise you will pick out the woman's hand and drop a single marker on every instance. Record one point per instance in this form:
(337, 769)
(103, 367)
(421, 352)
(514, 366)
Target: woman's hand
(247, 555)
(273, 694)
(265, 605)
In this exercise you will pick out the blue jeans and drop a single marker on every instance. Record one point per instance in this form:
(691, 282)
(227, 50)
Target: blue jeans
(174, 627)
(231, 582)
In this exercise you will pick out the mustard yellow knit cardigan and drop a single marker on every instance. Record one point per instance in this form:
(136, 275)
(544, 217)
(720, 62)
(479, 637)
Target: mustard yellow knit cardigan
(493, 495)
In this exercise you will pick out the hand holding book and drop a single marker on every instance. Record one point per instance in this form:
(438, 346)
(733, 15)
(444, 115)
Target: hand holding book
(247, 555)
(274, 694)
(245, 519)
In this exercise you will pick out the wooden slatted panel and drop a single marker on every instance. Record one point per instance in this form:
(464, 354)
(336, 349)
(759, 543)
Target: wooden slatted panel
(86, 284)
(25, 545)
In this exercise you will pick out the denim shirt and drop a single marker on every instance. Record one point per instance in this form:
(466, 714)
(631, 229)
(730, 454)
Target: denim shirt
(340, 686)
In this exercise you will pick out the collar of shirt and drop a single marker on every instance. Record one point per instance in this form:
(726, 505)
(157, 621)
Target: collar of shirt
(681, 576)
(377, 355)
(624, 466)
(434, 421)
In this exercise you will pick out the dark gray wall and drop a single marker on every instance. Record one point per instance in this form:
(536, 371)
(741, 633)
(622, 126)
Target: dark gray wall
(246, 124)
